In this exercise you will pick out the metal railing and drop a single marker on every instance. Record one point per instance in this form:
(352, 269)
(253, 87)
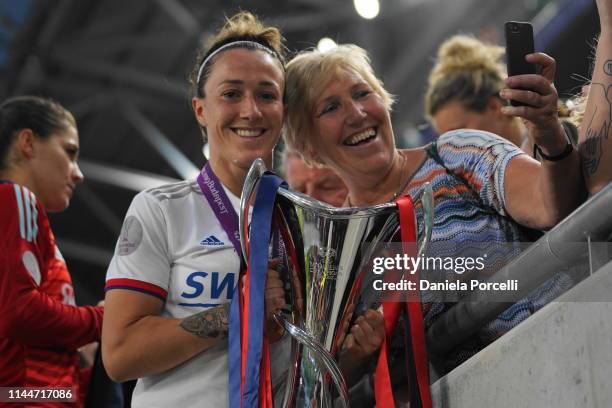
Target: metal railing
(556, 250)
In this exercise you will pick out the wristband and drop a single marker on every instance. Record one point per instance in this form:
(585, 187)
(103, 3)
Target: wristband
(569, 148)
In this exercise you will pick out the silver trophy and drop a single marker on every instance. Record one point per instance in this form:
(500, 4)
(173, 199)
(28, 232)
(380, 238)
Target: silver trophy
(327, 250)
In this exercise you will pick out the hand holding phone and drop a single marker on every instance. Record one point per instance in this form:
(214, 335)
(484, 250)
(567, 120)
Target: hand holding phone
(519, 43)
(532, 95)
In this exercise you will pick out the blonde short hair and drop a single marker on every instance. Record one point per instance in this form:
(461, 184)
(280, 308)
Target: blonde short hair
(576, 114)
(307, 75)
(467, 70)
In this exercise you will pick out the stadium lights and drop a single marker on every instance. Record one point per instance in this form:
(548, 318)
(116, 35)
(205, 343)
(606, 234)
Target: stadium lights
(367, 9)
(326, 44)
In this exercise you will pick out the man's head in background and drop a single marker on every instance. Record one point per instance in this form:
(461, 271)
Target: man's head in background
(316, 181)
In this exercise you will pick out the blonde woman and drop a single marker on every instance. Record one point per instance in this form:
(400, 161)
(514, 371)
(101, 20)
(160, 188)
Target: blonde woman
(485, 188)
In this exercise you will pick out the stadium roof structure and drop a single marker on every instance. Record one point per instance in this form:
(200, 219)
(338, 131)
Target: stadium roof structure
(121, 68)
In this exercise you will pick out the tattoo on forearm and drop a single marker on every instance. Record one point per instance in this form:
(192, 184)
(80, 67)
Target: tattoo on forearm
(209, 324)
(592, 148)
(597, 127)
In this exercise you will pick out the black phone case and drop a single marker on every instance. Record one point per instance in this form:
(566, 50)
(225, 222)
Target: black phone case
(519, 42)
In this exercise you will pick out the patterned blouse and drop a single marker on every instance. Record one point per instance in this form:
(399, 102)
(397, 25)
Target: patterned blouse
(467, 169)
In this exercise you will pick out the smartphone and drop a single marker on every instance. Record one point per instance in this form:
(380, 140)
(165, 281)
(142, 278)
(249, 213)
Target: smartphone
(519, 42)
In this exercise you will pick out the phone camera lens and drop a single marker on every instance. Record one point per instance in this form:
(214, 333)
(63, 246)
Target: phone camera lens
(514, 27)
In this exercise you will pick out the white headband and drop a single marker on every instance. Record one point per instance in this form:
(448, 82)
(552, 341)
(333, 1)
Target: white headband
(231, 45)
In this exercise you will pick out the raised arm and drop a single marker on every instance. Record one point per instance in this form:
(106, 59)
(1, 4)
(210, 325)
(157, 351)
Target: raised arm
(541, 195)
(595, 139)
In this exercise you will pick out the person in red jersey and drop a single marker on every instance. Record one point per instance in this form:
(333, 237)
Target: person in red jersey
(41, 328)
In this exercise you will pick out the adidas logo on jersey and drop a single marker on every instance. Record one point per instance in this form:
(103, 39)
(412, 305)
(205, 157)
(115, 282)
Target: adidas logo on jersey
(212, 240)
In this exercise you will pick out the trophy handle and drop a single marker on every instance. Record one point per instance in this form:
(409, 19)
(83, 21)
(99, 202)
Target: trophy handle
(428, 212)
(322, 355)
(258, 168)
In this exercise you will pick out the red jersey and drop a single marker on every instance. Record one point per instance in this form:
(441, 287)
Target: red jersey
(40, 326)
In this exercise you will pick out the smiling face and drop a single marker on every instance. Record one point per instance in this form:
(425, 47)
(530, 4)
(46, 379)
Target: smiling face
(352, 128)
(242, 110)
(54, 168)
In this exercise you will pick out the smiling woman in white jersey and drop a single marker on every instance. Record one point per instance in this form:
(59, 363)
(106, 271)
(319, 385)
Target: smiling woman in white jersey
(177, 260)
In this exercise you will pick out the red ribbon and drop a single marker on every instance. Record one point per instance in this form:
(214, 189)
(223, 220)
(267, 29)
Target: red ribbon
(382, 384)
(265, 378)
(391, 311)
(244, 335)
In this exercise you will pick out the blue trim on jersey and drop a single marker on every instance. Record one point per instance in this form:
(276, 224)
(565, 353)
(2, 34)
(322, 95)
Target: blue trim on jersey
(28, 211)
(201, 304)
(20, 210)
(148, 292)
(34, 218)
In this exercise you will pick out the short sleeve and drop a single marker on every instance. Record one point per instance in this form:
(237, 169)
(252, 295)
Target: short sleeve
(481, 159)
(141, 261)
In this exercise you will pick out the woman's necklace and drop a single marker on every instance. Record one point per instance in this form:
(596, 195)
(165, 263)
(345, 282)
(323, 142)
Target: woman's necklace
(399, 191)
(405, 184)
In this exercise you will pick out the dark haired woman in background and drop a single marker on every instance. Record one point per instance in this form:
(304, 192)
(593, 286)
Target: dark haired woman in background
(41, 329)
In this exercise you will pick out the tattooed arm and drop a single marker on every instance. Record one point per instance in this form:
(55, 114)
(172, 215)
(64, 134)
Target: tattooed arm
(209, 324)
(595, 138)
(138, 342)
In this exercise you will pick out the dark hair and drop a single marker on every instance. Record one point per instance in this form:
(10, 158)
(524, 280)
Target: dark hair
(42, 115)
(243, 26)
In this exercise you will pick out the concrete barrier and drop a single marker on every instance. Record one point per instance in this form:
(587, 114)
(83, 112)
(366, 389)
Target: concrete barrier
(560, 357)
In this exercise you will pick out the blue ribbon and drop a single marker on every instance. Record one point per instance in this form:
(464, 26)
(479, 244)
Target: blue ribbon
(258, 262)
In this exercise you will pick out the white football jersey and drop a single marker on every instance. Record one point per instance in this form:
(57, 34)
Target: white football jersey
(172, 246)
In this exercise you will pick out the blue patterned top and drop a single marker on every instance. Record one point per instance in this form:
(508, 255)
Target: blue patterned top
(467, 176)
